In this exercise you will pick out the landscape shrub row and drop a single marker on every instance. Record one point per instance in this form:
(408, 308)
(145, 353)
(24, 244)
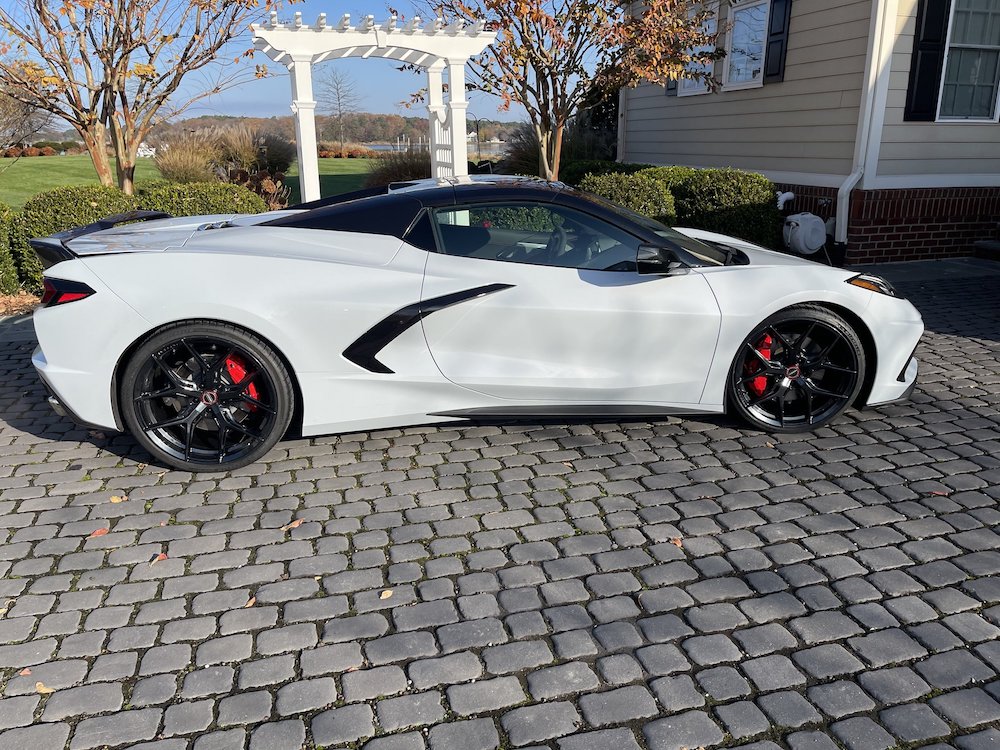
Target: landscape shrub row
(14, 152)
(68, 207)
(728, 201)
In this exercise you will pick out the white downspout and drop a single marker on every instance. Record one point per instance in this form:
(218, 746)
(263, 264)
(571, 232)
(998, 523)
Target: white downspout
(873, 95)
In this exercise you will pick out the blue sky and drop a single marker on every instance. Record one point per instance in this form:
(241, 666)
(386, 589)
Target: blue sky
(380, 86)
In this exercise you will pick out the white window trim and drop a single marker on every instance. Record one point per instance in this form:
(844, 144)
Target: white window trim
(697, 88)
(944, 70)
(735, 5)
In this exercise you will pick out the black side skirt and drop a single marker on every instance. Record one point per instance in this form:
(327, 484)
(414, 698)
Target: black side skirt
(362, 352)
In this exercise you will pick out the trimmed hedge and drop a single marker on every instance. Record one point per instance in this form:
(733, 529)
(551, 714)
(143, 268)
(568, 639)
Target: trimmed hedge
(8, 269)
(196, 198)
(573, 172)
(68, 207)
(728, 201)
(56, 211)
(640, 192)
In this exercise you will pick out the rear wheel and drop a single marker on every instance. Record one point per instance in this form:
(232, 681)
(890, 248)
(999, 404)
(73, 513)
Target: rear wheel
(206, 396)
(798, 370)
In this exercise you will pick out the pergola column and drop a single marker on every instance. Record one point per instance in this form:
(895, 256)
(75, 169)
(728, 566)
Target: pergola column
(437, 115)
(457, 107)
(304, 109)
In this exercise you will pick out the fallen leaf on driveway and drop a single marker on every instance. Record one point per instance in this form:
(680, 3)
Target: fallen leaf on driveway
(25, 672)
(96, 435)
(7, 605)
(250, 602)
(119, 498)
(41, 689)
(293, 525)
(98, 532)
(940, 493)
(677, 542)
(157, 558)
(385, 594)
(769, 444)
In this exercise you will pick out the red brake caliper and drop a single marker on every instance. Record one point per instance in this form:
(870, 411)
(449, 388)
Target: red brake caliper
(759, 384)
(237, 370)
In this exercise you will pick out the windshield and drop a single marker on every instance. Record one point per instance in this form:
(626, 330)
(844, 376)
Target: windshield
(702, 251)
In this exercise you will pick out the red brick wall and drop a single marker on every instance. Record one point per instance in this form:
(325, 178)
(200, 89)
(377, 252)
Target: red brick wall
(888, 225)
(919, 224)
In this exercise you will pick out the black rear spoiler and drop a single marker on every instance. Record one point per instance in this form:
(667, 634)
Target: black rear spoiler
(53, 249)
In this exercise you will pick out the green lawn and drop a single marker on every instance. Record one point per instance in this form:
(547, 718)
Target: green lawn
(22, 178)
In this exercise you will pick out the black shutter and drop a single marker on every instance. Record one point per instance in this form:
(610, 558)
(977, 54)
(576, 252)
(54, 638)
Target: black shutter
(927, 61)
(777, 41)
(671, 88)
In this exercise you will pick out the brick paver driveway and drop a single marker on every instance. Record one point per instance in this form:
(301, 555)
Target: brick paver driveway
(584, 586)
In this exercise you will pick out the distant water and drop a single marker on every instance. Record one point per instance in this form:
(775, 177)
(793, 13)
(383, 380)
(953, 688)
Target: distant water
(486, 149)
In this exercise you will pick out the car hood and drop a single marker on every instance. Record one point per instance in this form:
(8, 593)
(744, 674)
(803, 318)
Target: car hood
(758, 255)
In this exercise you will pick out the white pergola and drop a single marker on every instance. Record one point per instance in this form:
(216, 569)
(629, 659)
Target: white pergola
(437, 47)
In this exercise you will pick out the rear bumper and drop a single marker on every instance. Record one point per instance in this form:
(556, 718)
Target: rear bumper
(56, 403)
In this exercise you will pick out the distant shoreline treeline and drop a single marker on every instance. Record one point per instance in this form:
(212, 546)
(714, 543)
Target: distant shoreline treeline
(359, 127)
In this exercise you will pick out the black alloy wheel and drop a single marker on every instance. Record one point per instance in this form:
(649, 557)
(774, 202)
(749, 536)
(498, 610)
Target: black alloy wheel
(797, 371)
(206, 396)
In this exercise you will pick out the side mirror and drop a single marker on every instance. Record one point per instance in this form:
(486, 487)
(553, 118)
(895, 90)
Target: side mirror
(657, 260)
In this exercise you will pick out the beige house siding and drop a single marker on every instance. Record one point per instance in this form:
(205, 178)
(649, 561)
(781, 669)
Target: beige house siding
(929, 148)
(806, 124)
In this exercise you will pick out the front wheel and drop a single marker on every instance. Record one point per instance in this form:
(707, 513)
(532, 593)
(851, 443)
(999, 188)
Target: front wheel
(206, 396)
(798, 370)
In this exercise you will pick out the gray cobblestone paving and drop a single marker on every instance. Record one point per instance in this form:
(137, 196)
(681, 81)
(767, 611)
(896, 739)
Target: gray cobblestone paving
(647, 585)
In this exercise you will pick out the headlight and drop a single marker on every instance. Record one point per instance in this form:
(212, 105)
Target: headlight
(873, 284)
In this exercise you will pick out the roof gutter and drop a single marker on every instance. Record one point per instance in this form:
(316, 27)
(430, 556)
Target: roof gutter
(874, 90)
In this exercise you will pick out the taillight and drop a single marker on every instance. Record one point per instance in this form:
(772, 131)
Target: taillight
(60, 291)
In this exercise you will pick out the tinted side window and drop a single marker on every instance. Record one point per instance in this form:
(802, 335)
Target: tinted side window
(540, 234)
(386, 214)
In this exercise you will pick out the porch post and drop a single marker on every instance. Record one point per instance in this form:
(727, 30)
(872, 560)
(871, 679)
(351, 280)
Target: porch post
(304, 109)
(436, 116)
(457, 106)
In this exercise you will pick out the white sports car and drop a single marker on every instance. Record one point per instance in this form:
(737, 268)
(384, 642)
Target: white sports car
(209, 338)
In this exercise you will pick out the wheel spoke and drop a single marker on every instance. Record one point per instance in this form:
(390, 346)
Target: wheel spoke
(189, 436)
(259, 404)
(809, 399)
(788, 348)
(172, 376)
(766, 396)
(234, 425)
(781, 409)
(165, 393)
(215, 372)
(768, 364)
(179, 419)
(223, 431)
(202, 364)
(806, 335)
(836, 368)
(820, 391)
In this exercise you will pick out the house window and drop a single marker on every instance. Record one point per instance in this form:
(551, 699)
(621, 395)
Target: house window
(689, 86)
(746, 44)
(972, 62)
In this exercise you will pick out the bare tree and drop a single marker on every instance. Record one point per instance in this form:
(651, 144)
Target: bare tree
(551, 54)
(338, 94)
(112, 69)
(18, 121)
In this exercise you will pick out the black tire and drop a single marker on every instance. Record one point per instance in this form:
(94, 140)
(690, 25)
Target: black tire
(206, 396)
(798, 370)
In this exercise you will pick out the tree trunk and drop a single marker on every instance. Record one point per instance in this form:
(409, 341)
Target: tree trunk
(126, 173)
(340, 119)
(93, 139)
(556, 152)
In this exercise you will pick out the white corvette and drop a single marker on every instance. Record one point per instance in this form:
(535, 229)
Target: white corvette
(209, 338)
